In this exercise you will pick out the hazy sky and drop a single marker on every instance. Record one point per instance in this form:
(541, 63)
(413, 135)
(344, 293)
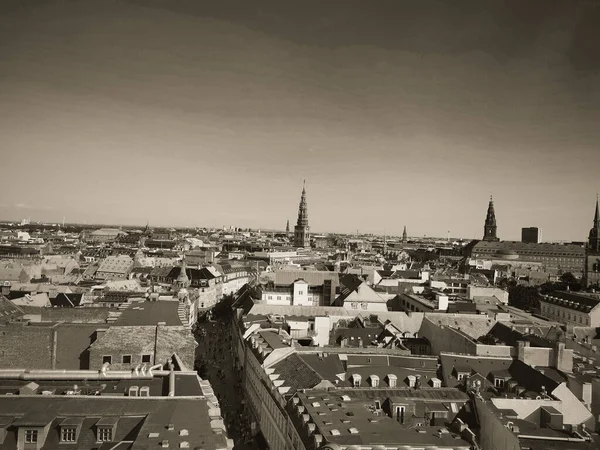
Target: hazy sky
(212, 113)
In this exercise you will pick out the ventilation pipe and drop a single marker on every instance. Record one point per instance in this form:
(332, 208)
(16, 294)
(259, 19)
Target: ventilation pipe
(172, 383)
(33, 375)
(156, 367)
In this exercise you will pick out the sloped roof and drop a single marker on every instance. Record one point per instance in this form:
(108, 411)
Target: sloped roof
(142, 421)
(312, 277)
(149, 313)
(296, 373)
(479, 364)
(8, 310)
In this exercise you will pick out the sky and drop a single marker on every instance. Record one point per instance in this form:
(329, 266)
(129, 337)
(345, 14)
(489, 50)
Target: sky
(187, 113)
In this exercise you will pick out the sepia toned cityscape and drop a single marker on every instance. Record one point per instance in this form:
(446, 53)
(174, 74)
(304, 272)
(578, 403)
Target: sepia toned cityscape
(271, 225)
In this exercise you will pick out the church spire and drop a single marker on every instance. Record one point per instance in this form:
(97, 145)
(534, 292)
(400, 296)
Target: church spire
(301, 230)
(489, 229)
(404, 236)
(303, 208)
(597, 215)
(594, 236)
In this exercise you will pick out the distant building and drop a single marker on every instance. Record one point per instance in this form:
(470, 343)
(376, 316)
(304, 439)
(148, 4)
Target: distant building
(563, 257)
(13, 273)
(105, 235)
(125, 347)
(531, 235)
(302, 230)
(300, 288)
(572, 308)
(115, 267)
(358, 295)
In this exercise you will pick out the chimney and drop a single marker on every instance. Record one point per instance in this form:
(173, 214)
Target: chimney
(521, 346)
(563, 361)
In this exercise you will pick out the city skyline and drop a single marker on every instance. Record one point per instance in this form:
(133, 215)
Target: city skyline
(395, 114)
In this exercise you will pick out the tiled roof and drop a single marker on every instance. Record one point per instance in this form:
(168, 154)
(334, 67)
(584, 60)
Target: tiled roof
(142, 421)
(116, 264)
(8, 310)
(296, 374)
(477, 364)
(573, 300)
(312, 277)
(149, 313)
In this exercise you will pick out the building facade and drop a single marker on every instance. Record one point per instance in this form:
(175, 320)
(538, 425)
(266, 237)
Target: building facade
(572, 309)
(531, 235)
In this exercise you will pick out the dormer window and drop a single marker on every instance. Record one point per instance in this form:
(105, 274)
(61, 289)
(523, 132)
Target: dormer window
(104, 434)
(69, 429)
(31, 436)
(68, 434)
(105, 429)
(374, 381)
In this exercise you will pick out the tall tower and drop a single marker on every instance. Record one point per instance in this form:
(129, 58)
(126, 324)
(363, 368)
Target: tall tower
(182, 281)
(301, 230)
(592, 260)
(594, 236)
(489, 230)
(404, 236)
(287, 229)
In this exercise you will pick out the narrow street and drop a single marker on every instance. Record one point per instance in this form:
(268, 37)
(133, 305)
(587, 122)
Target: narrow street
(214, 361)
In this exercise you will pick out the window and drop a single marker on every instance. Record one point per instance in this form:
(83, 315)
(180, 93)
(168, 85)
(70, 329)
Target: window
(67, 434)
(104, 434)
(31, 436)
(107, 359)
(126, 359)
(499, 382)
(145, 358)
(300, 292)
